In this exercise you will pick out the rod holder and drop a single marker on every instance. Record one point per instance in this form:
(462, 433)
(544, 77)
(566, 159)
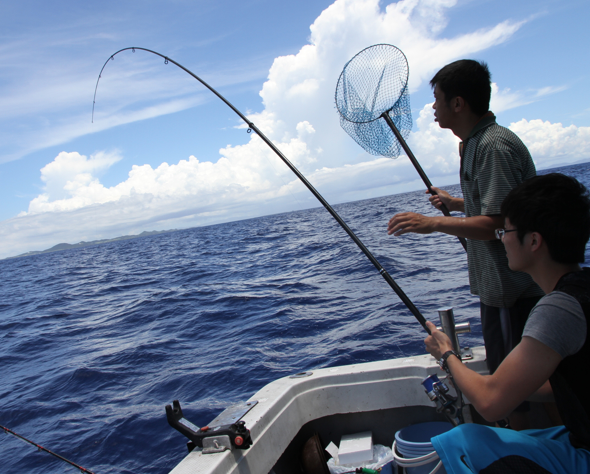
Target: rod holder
(461, 328)
(447, 322)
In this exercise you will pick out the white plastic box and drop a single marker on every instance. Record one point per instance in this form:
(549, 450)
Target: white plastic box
(356, 448)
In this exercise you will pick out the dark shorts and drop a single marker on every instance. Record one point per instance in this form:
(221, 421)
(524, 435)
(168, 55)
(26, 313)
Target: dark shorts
(502, 330)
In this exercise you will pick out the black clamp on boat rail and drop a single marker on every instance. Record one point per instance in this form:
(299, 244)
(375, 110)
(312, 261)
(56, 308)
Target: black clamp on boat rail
(225, 432)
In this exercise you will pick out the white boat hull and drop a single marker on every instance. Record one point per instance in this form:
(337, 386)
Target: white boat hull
(332, 401)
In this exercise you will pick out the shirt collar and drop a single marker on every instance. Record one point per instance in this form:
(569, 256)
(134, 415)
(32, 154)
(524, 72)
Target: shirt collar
(485, 121)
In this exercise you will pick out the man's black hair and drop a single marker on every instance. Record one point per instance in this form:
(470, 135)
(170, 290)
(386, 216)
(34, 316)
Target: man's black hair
(557, 207)
(468, 79)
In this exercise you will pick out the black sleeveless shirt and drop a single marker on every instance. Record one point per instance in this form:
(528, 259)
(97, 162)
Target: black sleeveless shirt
(569, 382)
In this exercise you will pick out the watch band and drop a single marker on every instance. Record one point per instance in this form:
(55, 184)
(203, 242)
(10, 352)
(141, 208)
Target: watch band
(443, 360)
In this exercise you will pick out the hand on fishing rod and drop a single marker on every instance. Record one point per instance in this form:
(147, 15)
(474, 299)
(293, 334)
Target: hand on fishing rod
(405, 222)
(438, 342)
(442, 197)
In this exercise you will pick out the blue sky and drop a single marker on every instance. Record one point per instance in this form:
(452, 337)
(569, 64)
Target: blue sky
(165, 153)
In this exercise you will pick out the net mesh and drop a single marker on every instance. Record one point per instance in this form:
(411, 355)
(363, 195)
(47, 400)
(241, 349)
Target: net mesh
(373, 82)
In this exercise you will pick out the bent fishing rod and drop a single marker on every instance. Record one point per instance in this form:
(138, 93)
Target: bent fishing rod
(41, 448)
(252, 127)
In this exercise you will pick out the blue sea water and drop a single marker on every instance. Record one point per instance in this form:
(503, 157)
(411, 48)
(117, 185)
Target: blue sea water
(94, 342)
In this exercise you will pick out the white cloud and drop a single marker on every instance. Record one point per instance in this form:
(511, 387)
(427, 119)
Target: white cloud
(507, 99)
(437, 149)
(245, 172)
(298, 115)
(72, 171)
(552, 144)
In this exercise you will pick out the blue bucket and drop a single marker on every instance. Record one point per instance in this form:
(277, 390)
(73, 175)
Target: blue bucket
(414, 441)
(387, 468)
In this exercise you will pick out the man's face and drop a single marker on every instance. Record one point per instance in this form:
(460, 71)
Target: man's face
(442, 111)
(515, 251)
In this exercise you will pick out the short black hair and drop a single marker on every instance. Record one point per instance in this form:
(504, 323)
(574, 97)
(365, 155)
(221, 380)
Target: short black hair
(557, 207)
(468, 79)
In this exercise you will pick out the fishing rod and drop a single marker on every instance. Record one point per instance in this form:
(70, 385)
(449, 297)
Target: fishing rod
(41, 448)
(252, 127)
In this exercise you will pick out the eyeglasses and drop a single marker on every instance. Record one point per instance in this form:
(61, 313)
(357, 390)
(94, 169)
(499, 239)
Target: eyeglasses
(500, 233)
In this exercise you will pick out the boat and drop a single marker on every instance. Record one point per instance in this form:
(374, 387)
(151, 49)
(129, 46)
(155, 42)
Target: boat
(382, 397)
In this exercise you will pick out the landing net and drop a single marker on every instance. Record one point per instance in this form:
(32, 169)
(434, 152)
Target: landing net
(373, 82)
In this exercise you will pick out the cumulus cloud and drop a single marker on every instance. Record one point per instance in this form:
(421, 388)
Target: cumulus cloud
(438, 149)
(246, 172)
(552, 144)
(300, 117)
(69, 172)
(301, 86)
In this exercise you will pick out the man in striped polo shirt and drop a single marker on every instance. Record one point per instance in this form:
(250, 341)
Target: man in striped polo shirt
(493, 161)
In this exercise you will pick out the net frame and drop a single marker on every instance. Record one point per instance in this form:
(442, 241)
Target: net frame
(374, 82)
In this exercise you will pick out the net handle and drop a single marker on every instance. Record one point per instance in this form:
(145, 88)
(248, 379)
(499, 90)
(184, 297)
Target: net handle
(419, 169)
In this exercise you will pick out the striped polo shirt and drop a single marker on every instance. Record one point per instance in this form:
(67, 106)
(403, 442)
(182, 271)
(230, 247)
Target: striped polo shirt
(493, 161)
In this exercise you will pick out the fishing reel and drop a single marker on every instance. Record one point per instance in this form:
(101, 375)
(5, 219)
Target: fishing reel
(438, 392)
(452, 406)
(223, 434)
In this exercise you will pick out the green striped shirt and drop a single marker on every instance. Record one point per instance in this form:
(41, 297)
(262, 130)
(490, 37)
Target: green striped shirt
(494, 160)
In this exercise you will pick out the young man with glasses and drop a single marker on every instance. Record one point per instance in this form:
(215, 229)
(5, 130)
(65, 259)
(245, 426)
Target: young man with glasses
(546, 229)
(493, 161)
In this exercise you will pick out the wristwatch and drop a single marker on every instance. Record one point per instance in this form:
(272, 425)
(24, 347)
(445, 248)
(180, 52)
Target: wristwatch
(443, 360)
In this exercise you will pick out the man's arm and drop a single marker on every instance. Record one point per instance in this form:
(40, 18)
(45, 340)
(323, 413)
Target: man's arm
(526, 369)
(475, 228)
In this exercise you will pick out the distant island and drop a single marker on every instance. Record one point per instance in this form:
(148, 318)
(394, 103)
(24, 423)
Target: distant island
(59, 247)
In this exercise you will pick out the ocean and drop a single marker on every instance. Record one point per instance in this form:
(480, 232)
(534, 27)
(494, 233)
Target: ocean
(95, 341)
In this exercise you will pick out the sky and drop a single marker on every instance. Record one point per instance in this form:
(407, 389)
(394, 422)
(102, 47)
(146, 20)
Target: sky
(162, 152)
